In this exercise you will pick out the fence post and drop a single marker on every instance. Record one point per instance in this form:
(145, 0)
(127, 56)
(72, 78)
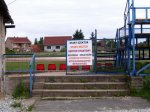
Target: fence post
(95, 52)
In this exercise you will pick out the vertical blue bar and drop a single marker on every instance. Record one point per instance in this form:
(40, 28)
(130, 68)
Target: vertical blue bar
(95, 52)
(117, 45)
(129, 38)
(30, 80)
(66, 58)
(146, 13)
(34, 64)
(133, 37)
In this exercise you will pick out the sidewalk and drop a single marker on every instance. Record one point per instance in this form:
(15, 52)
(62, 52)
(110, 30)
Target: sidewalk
(118, 104)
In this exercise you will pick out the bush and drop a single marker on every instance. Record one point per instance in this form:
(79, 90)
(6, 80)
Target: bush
(8, 51)
(21, 91)
(147, 83)
(145, 92)
(63, 50)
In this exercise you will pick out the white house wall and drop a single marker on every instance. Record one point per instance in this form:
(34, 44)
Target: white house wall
(53, 48)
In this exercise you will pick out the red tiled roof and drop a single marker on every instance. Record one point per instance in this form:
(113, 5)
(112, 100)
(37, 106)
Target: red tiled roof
(19, 40)
(56, 40)
(35, 48)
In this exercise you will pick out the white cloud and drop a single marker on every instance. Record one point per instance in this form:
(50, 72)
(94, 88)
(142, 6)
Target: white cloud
(36, 18)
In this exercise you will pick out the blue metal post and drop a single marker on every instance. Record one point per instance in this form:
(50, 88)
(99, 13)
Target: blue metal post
(146, 13)
(133, 38)
(117, 47)
(129, 37)
(95, 52)
(66, 59)
(34, 64)
(31, 80)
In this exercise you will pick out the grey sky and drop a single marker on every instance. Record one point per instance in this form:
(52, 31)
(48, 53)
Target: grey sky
(39, 18)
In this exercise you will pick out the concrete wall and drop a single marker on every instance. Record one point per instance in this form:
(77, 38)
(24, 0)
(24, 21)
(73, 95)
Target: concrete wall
(12, 82)
(2, 42)
(136, 83)
(53, 48)
(2, 51)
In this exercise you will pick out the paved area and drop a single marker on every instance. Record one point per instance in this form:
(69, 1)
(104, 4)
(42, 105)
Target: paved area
(125, 104)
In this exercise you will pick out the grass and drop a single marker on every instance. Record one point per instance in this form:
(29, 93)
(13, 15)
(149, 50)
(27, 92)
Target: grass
(140, 64)
(21, 91)
(145, 92)
(24, 66)
(51, 54)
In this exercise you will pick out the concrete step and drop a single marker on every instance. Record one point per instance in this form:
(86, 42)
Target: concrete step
(89, 85)
(71, 98)
(80, 93)
(83, 78)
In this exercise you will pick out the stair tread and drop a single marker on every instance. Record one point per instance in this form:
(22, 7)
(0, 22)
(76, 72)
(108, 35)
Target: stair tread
(98, 75)
(72, 98)
(85, 90)
(85, 83)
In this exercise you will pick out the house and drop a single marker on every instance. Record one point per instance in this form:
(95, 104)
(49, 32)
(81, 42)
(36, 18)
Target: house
(35, 48)
(5, 18)
(19, 44)
(55, 43)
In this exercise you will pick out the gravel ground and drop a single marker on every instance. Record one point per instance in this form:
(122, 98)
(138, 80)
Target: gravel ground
(125, 104)
(7, 102)
(5, 105)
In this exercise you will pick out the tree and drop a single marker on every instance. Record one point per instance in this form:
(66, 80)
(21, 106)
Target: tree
(40, 44)
(35, 41)
(41, 41)
(78, 35)
(92, 36)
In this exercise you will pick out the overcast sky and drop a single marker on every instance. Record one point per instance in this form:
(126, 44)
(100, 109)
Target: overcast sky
(39, 18)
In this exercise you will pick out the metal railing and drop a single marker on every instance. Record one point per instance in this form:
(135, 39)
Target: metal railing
(142, 69)
(16, 63)
(32, 73)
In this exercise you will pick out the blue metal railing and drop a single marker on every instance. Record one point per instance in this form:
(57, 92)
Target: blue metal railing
(142, 69)
(32, 73)
(17, 63)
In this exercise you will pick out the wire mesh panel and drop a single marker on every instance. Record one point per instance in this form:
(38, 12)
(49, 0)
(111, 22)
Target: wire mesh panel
(80, 70)
(106, 54)
(17, 63)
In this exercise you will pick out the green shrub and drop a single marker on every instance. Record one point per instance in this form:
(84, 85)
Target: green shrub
(21, 91)
(145, 92)
(147, 83)
(63, 50)
(8, 51)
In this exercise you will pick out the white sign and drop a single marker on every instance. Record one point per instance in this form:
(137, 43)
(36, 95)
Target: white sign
(79, 52)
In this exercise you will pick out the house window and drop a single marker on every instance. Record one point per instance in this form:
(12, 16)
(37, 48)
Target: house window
(57, 47)
(48, 47)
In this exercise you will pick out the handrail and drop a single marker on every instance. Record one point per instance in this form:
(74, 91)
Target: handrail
(32, 73)
(142, 69)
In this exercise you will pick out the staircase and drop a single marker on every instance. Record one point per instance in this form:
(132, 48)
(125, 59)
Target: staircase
(49, 87)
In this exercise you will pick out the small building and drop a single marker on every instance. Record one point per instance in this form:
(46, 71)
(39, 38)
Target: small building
(19, 44)
(35, 48)
(5, 18)
(55, 43)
